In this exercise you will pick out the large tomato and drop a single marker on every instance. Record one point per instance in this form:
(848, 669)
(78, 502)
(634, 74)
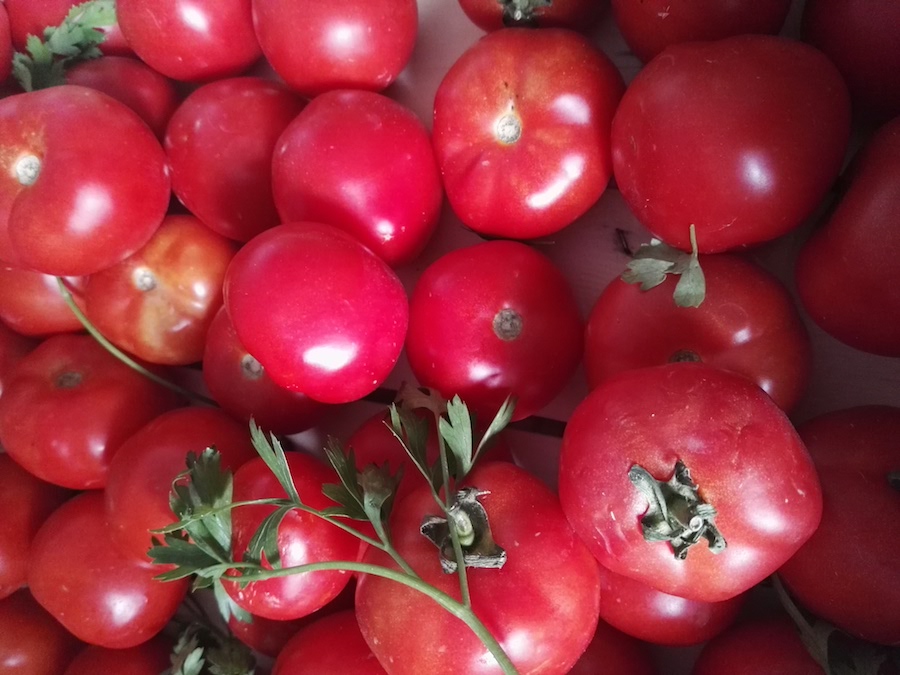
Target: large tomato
(32, 642)
(740, 137)
(521, 131)
(542, 605)
(495, 14)
(611, 651)
(13, 347)
(689, 479)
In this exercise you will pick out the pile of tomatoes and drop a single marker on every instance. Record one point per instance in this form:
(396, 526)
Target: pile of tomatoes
(284, 210)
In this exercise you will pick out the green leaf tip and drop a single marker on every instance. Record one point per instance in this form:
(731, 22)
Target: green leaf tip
(653, 262)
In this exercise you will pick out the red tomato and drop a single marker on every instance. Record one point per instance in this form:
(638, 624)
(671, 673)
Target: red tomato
(362, 162)
(492, 15)
(355, 44)
(613, 652)
(69, 405)
(847, 267)
(31, 641)
(521, 131)
(321, 312)
(855, 452)
(491, 320)
(649, 26)
(31, 304)
(244, 389)
(221, 165)
(31, 17)
(85, 181)
(190, 40)
(25, 501)
(647, 614)
(740, 457)
(151, 95)
(740, 137)
(302, 538)
(100, 595)
(141, 473)
(159, 302)
(13, 347)
(748, 324)
(333, 645)
(6, 46)
(149, 658)
(541, 605)
(861, 39)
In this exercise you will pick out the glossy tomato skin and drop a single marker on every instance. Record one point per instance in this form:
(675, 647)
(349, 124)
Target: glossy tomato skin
(102, 187)
(32, 642)
(614, 652)
(31, 304)
(222, 166)
(747, 323)
(190, 40)
(333, 645)
(542, 605)
(855, 451)
(100, 595)
(317, 46)
(149, 658)
(158, 303)
(31, 17)
(302, 538)
(6, 46)
(740, 137)
(742, 454)
(649, 26)
(491, 320)
(321, 312)
(13, 346)
(94, 401)
(362, 162)
(521, 131)
(581, 15)
(847, 266)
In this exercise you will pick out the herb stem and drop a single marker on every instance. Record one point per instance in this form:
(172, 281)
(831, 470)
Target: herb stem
(446, 504)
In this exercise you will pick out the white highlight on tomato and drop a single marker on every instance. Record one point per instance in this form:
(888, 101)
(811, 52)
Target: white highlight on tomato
(92, 207)
(195, 18)
(572, 109)
(571, 169)
(330, 358)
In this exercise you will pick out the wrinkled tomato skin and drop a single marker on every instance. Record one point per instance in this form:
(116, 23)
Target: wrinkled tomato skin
(579, 15)
(542, 605)
(855, 450)
(317, 46)
(741, 451)
(149, 658)
(564, 92)
(332, 645)
(92, 204)
(31, 304)
(740, 137)
(848, 265)
(611, 651)
(362, 162)
(31, 17)
(747, 324)
(100, 595)
(222, 166)
(649, 26)
(321, 312)
(32, 642)
(94, 401)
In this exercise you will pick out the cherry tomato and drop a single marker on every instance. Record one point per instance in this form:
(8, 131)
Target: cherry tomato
(190, 40)
(222, 166)
(362, 162)
(855, 452)
(521, 131)
(689, 479)
(13, 347)
(32, 642)
(492, 15)
(85, 181)
(611, 651)
(31, 17)
(542, 605)
(847, 267)
(747, 323)
(149, 658)
(491, 320)
(321, 312)
(740, 137)
(69, 405)
(31, 303)
(356, 44)
(333, 645)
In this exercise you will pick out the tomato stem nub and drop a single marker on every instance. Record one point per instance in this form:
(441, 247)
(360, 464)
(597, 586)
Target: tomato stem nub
(508, 129)
(507, 324)
(27, 170)
(522, 12)
(473, 529)
(677, 514)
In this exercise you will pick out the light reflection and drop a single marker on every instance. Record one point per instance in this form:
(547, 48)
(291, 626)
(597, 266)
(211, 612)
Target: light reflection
(92, 207)
(124, 608)
(194, 17)
(572, 169)
(342, 39)
(330, 358)
(755, 173)
(572, 109)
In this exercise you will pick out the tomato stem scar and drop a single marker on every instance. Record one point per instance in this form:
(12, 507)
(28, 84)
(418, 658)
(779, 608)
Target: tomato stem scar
(27, 169)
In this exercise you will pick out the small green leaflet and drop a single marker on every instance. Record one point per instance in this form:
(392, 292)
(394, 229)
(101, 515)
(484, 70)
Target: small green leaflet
(201, 650)
(412, 433)
(654, 261)
(273, 455)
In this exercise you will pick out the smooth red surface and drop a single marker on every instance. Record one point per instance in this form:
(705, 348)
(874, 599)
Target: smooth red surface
(614, 652)
(149, 658)
(32, 642)
(31, 304)
(13, 347)
(332, 645)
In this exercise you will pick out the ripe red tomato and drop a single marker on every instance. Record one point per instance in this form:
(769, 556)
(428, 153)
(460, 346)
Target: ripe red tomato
(521, 131)
(491, 320)
(317, 46)
(332, 645)
(192, 40)
(855, 453)
(362, 162)
(222, 166)
(157, 304)
(649, 26)
(748, 324)
(32, 642)
(740, 137)
(13, 347)
(31, 304)
(69, 405)
(492, 15)
(725, 460)
(541, 605)
(321, 312)
(149, 658)
(847, 267)
(6, 46)
(611, 651)
(85, 182)
(31, 17)
(99, 594)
